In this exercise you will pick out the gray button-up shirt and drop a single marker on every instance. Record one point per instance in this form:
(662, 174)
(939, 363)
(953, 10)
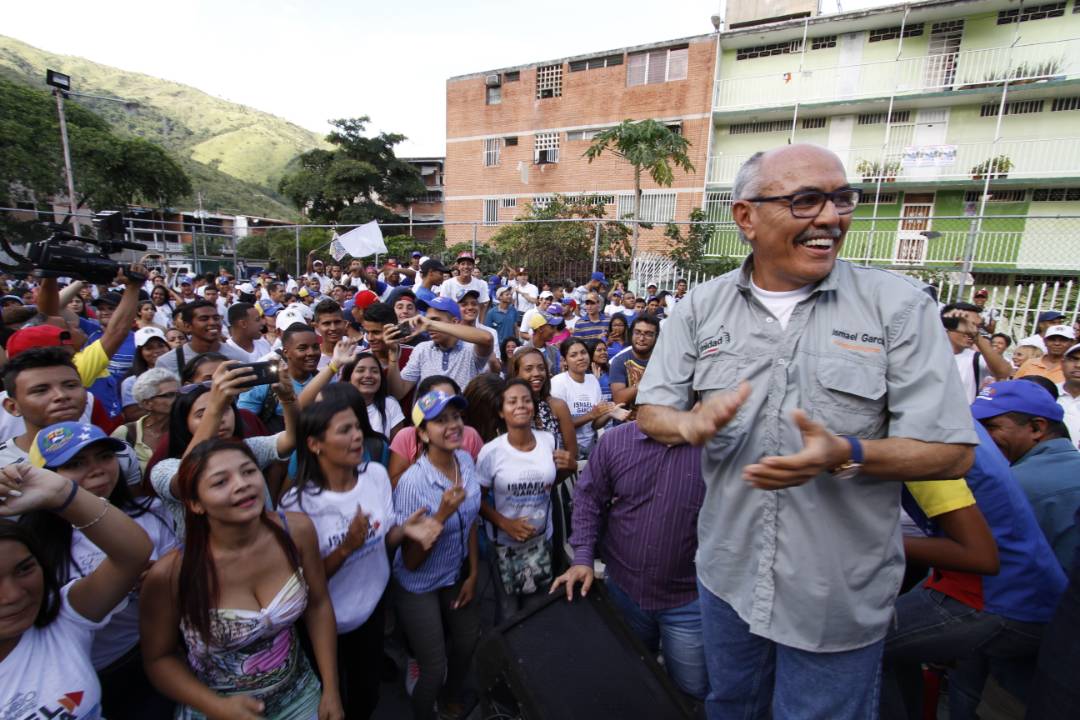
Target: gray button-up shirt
(815, 567)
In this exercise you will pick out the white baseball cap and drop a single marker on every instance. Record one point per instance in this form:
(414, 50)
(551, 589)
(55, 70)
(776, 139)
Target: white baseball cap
(246, 288)
(288, 317)
(1064, 331)
(144, 335)
(1034, 341)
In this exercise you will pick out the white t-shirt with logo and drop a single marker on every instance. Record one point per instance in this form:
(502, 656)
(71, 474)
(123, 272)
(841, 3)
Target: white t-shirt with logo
(581, 398)
(357, 586)
(122, 632)
(781, 303)
(520, 482)
(394, 416)
(454, 290)
(49, 673)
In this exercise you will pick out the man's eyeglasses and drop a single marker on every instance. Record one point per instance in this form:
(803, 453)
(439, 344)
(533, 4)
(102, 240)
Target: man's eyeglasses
(646, 334)
(809, 204)
(590, 302)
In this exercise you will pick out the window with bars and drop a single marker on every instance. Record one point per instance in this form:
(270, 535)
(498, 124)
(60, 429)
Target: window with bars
(491, 211)
(657, 66)
(947, 27)
(894, 33)
(1035, 12)
(656, 207)
(718, 206)
(998, 196)
(1056, 195)
(596, 63)
(575, 135)
(491, 151)
(589, 199)
(548, 81)
(762, 126)
(898, 116)
(1066, 103)
(885, 198)
(546, 148)
(540, 202)
(511, 141)
(512, 76)
(813, 123)
(510, 202)
(1019, 107)
(820, 43)
(432, 196)
(783, 48)
(493, 95)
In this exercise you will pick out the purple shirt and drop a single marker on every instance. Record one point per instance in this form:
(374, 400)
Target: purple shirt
(649, 533)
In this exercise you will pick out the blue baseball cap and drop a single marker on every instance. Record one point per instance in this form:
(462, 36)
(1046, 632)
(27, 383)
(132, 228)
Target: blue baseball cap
(446, 305)
(431, 405)
(269, 307)
(598, 276)
(57, 444)
(1016, 396)
(1049, 316)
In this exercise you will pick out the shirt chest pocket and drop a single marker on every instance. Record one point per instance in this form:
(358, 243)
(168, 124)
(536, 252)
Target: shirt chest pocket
(850, 397)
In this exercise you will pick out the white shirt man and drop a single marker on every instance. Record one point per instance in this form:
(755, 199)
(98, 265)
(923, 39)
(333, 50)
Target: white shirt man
(525, 293)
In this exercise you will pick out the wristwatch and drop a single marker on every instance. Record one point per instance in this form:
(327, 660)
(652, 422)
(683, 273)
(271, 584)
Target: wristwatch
(852, 467)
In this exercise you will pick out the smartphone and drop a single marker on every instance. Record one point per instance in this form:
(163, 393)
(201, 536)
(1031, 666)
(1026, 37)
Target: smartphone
(405, 329)
(265, 373)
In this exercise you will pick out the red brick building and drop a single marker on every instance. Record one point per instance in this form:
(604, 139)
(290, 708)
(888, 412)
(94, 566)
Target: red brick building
(517, 135)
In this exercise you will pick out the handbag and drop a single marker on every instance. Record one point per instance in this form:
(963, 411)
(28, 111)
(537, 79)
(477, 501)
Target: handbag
(525, 569)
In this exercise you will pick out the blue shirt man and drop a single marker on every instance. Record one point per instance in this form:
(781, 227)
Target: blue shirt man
(504, 317)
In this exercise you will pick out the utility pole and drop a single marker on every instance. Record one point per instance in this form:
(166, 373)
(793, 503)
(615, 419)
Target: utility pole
(61, 83)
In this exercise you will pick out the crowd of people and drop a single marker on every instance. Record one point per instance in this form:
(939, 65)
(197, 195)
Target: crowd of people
(228, 497)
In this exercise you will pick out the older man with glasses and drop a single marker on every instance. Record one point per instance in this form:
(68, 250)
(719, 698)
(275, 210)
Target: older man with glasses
(816, 387)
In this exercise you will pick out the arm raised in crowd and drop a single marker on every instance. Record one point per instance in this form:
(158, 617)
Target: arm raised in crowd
(481, 339)
(343, 353)
(124, 315)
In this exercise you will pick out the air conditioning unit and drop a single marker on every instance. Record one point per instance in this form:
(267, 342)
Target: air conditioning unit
(544, 157)
(493, 80)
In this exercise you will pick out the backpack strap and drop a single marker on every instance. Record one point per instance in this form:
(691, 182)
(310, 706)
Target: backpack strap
(976, 367)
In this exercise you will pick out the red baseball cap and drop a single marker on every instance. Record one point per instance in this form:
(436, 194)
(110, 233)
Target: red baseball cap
(362, 300)
(37, 336)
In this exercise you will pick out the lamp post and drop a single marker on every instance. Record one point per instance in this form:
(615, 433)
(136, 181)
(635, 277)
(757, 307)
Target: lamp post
(61, 84)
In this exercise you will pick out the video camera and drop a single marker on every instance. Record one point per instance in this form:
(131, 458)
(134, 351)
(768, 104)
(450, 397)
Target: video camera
(55, 257)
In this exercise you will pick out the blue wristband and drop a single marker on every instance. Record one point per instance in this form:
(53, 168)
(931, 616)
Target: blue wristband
(70, 498)
(856, 448)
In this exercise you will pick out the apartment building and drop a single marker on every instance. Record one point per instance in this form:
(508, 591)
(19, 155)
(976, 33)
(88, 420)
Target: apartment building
(423, 217)
(959, 119)
(516, 135)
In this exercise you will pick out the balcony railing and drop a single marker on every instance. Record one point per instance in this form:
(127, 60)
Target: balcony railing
(969, 69)
(1027, 158)
(1006, 242)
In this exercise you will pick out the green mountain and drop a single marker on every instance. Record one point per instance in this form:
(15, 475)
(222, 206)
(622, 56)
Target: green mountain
(234, 154)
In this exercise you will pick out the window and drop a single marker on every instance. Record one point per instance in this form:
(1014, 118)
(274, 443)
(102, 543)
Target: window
(997, 196)
(820, 43)
(656, 207)
(596, 62)
(493, 95)
(1066, 103)
(546, 148)
(784, 48)
(813, 123)
(540, 202)
(508, 202)
(657, 66)
(893, 33)
(548, 81)
(898, 116)
(885, 198)
(575, 135)
(762, 126)
(491, 151)
(947, 27)
(718, 206)
(510, 141)
(512, 76)
(1020, 107)
(432, 196)
(491, 211)
(1056, 195)
(1035, 12)
(590, 199)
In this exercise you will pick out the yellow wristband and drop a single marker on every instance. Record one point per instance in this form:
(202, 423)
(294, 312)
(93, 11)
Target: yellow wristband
(333, 368)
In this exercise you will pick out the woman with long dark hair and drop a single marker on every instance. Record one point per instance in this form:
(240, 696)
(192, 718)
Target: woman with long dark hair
(200, 413)
(580, 390)
(435, 588)
(47, 630)
(517, 471)
(349, 501)
(145, 316)
(163, 306)
(616, 334)
(506, 352)
(85, 455)
(234, 594)
(598, 355)
(482, 393)
(552, 414)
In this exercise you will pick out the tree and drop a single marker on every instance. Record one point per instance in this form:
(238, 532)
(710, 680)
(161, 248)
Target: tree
(688, 251)
(110, 171)
(650, 147)
(356, 182)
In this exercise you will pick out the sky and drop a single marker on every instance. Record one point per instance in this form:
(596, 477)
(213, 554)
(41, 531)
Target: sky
(309, 62)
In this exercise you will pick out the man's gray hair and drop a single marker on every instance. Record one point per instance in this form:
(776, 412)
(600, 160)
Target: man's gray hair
(748, 183)
(149, 382)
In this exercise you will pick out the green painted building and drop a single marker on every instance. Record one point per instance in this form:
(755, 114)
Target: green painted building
(960, 121)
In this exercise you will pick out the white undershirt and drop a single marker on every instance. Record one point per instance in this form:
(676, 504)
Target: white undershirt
(781, 303)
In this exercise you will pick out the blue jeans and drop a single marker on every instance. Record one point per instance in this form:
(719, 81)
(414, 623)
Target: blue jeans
(750, 675)
(931, 627)
(675, 631)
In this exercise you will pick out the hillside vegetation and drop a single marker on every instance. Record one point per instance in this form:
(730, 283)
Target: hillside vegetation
(235, 155)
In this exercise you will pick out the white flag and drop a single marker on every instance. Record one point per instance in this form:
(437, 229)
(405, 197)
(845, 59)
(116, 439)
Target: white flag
(336, 249)
(363, 241)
